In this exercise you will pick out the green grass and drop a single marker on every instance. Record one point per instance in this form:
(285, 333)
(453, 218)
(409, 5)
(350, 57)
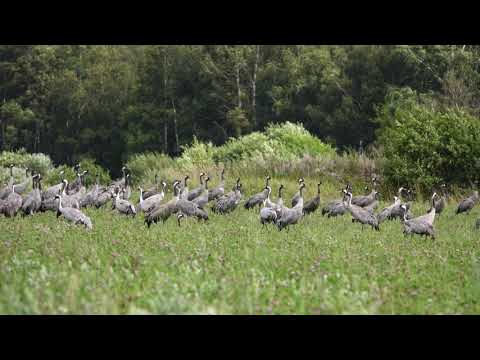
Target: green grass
(230, 265)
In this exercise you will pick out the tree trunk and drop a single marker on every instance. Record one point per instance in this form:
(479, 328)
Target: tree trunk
(165, 137)
(238, 86)
(37, 136)
(165, 101)
(175, 130)
(2, 134)
(254, 87)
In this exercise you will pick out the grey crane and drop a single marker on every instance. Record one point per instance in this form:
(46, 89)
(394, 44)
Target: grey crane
(396, 212)
(103, 198)
(152, 191)
(365, 200)
(416, 226)
(468, 204)
(68, 201)
(218, 191)
(202, 199)
(8, 187)
(191, 209)
(229, 202)
(268, 213)
(258, 199)
(127, 190)
(164, 211)
(32, 202)
(73, 215)
(359, 214)
(146, 204)
(20, 188)
(13, 203)
(386, 212)
(313, 204)
(152, 205)
(441, 202)
(124, 207)
(120, 183)
(184, 188)
(372, 207)
(291, 216)
(296, 197)
(54, 190)
(75, 185)
(194, 193)
(335, 207)
(89, 198)
(430, 216)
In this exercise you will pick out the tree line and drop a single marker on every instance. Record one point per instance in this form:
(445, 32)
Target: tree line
(108, 102)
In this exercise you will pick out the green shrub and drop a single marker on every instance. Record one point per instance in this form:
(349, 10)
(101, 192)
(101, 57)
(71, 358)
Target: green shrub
(37, 162)
(145, 166)
(427, 145)
(196, 155)
(297, 140)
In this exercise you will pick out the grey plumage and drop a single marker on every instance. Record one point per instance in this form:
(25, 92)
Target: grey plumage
(20, 188)
(8, 187)
(359, 214)
(313, 204)
(268, 213)
(387, 211)
(152, 191)
(67, 200)
(372, 207)
(73, 215)
(103, 198)
(12, 204)
(335, 207)
(124, 207)
(75, 185)
(218, 191)
(191, 209)
(127, 190)
(155, 200)
(90, 197)
(366, 200)
(164, 211)
(194, 193)
(416, 226)
(258, 199)
(229, 202)
(441, 202)
(32, 202)
(202, 199)
(296, 197)
(54, 190)
(291, 216)
(468, 204)
(184, 188)
(430, 216)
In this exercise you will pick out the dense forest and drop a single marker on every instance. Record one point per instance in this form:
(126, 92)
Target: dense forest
(108, 102)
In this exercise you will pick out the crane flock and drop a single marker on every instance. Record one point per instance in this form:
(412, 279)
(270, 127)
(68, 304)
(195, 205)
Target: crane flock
(68, 199)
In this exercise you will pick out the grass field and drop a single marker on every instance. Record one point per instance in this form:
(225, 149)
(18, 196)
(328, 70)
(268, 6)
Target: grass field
(231, 265)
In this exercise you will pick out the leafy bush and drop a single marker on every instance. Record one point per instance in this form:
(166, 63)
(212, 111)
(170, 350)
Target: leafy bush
(197, 155)
(427, 145)
(145, 166)
(297, 140)
(21, 159)
(285, 142)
